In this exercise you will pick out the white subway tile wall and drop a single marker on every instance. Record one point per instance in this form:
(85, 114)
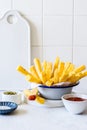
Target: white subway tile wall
(58, 7)
(79, 57)
(58, 28)
(5, 5)
(36, 52)
(80, 30)
(28, 7)
(50, 52)
(36, 30)
(80, 7)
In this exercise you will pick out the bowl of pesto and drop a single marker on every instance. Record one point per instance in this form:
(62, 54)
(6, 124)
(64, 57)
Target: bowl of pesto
(12, 96)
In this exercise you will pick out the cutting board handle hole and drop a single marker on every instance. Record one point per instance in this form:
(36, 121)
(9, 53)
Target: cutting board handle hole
(12, 19)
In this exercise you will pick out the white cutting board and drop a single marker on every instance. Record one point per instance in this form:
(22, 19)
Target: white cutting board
(14, 50)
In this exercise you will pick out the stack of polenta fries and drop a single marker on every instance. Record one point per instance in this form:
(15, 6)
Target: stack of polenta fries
(50, 74)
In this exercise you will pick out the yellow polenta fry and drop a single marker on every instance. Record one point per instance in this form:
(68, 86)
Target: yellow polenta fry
(81, 75)
(79, 69)
(65, 72)
(27, 92)
(33, 72)
(74, 79)
(44, 64)
(38, 67)
(67, 65)
(76, 74)
(84, 73)
(71, 68)
(50, 82)
(40, 100)
(60, 68)
(22, 70)
(77, 78)
(56, 77)
(49, 74)
(63, 78)
(31, 78)
(71, 77)
(43, 77)
(34, 91)
(56, 63)
(49, 70)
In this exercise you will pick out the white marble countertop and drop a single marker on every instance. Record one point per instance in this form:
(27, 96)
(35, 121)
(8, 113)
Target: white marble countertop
(30, 117)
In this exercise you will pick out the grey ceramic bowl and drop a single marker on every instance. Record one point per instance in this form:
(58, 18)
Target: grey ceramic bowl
(55, 92)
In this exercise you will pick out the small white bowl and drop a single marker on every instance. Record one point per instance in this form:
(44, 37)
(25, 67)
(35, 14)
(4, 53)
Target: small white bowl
(12, 98)
(75, 107)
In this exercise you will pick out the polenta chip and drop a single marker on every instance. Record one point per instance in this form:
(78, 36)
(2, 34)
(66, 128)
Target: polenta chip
(49, 70)
(43, 77)
(71, 68)
(61, 68)
(38, 67)
(79, 69)
(50, 82)
(34, 73)
(31, 78)
(56, 63)
(22, 70)
(49, 74)
(44, 65)
(56, 76)
(40, 100)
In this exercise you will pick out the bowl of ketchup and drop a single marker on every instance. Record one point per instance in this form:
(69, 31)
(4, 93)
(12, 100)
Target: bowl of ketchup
(75, 103)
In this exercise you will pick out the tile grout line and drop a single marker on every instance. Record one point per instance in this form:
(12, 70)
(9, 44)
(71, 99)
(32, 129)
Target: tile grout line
(57, 15)
(72, 29)
(11, 4)
(42, 30)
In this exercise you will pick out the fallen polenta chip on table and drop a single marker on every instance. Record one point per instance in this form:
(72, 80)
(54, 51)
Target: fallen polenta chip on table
(40, 100)
(28, 92)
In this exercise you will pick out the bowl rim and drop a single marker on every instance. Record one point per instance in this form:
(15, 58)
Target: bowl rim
(59, 86)
(80, 95)
(18, 93)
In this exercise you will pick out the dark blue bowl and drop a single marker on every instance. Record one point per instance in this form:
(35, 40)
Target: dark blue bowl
(7, 107)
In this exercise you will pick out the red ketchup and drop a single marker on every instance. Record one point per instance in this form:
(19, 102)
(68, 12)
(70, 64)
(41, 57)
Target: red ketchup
(75, 99)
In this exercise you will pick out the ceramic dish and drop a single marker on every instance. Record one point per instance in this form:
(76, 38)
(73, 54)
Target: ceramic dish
(48, 103)
(7, 107)
(12, 97)
(55, 92)
(75, 103)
